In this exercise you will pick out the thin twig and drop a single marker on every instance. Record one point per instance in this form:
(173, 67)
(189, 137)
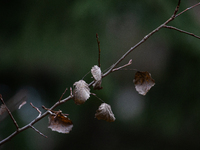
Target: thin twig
(187, 9)
(38, 131)
(176, 9)
(63, 94)
(129, 63)
(98, 42)
(182, 31)
(37, 110)
(97, 97)
(13, 119)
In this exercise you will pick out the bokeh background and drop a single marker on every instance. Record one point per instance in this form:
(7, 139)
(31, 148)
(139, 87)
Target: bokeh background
(46, 46)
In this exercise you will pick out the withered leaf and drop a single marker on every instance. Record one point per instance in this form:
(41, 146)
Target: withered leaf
(60, 122)
(143, 82)
(104, 112)
(97, 74)
(81, 92)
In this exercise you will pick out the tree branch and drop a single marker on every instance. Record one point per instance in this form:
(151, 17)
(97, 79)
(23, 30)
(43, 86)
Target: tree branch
(129, 63)
(14, 121)
(35, 120)
(187, 9)
(99, 50)
(143, 40)
(164, 25)
(38, 131)
(182, 31)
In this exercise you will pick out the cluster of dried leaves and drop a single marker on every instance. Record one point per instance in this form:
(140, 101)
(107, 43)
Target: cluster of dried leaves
(61, 123)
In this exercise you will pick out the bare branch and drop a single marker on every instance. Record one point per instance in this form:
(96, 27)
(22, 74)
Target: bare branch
(38, 131)
(135, 46)
(98, 42)
(35, 120)
(182, 31)
(187, 9)
(129, 63)
(36, 109)
(145, 38)
(176, 9)
(63, 94)
(14, 121)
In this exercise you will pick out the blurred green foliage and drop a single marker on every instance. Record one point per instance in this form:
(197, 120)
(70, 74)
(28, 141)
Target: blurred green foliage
(46, 46)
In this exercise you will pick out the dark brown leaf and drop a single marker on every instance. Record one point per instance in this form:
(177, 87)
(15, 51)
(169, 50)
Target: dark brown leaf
(60, 122)
(104, 112)
(143, 82)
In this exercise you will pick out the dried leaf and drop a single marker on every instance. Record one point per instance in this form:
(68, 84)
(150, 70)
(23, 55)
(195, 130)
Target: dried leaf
(81, 92)
(2, 109)
(96, 73)
(60, 122)
(143, 82)
(104, 112)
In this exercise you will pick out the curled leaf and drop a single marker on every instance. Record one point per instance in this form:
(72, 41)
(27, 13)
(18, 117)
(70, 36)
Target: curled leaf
(60, 122)
(96, 73)
(104, 112)
(81, 92)
(143, 82)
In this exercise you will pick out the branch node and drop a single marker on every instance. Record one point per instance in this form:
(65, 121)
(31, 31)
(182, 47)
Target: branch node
(176, 9)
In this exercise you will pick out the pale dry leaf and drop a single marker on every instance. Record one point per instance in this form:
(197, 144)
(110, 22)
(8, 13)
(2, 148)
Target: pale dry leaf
(104, 112)
(143, 82)
(97, 74)
(81, 92)
(3, 109)
(60, 123)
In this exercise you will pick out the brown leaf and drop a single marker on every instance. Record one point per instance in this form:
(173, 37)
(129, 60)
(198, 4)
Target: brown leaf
(60, 122)
(96, 73)
(104, 112)
(143, 82)
(81, 92)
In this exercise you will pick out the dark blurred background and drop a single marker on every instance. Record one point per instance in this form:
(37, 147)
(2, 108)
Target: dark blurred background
(46, 46)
